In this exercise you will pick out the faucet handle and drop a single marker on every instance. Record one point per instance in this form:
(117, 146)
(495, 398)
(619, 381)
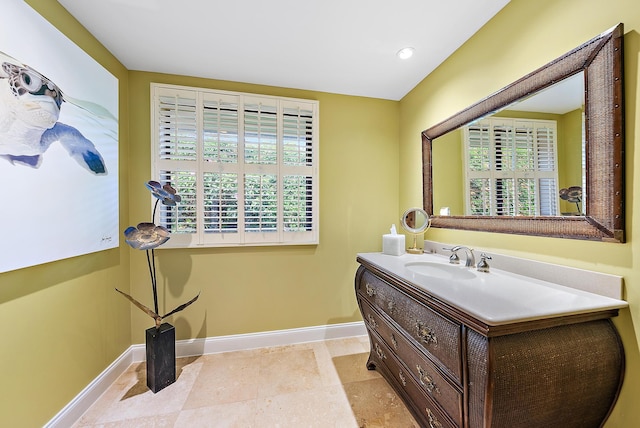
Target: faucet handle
(483, 266)
(454, 259)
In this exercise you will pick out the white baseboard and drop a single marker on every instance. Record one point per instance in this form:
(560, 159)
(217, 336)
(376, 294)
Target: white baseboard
(185, 348)
(81, 402)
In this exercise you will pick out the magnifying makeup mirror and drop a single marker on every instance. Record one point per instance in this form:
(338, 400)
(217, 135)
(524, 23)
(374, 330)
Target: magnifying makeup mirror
(415, 221)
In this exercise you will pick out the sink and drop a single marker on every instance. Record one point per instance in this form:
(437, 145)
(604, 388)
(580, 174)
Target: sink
(498, 297)
(441, 270)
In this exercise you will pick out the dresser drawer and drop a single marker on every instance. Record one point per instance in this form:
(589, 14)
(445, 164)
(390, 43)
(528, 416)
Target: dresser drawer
(424, 372)
(436, 334)
(430, 415)
(378, 292)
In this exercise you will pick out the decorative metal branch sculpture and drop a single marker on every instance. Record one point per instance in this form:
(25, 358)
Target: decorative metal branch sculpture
(572, 194)
(148, 236)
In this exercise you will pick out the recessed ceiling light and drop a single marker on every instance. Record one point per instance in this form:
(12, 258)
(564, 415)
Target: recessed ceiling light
(405, 53)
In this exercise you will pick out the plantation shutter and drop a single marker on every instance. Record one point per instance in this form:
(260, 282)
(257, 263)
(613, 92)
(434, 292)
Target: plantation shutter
(177, 157)
(298, 181)
(546, 167)
(511, 167)
(220, 170)
(245, 166)
(479, 167)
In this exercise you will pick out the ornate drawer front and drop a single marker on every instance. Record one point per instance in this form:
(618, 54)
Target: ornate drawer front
(433, 332)
(424, 372)
(378, 292)
(430, 415)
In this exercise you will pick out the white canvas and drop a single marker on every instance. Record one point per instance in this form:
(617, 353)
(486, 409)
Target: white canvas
(59, 209)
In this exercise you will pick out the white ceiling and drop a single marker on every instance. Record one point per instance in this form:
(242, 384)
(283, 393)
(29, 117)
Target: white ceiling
(561, 98)
(338, 46)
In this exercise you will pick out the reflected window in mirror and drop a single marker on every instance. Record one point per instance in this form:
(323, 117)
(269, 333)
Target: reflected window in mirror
(511, 167)
(590, 148)
(519, 160)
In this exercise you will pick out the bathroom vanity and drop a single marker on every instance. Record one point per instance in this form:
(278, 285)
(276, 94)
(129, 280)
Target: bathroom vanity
(471, 349)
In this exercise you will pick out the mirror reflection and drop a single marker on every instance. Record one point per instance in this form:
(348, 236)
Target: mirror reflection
(599, 201)
(526, 159)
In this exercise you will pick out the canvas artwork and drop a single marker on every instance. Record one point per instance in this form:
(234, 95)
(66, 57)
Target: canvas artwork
(58, 144)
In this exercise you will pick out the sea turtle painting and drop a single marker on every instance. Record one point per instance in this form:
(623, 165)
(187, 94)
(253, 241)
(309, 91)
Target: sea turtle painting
(30, 107)
(59, 144)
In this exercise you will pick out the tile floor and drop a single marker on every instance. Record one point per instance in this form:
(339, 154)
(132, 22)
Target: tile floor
(318, 384)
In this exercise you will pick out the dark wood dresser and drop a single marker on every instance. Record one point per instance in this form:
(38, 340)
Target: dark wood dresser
(455, 370)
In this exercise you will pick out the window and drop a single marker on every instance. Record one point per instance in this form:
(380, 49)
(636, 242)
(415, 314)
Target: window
(245, 165)
(511, 167)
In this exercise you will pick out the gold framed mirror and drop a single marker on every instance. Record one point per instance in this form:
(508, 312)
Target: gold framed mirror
(600, 61)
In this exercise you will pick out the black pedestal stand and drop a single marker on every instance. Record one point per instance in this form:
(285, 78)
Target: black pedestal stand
(161, 356)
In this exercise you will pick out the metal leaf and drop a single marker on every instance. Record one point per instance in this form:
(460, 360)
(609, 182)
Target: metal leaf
(181, 307)
(144, 309)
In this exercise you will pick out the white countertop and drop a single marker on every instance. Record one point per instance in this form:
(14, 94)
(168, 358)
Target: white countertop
(496, 297)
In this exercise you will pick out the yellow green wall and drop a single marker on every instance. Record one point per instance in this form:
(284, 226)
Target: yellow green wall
(64, 323)
(522, 37)
(448, 175)
(257, 289)
(570, 154)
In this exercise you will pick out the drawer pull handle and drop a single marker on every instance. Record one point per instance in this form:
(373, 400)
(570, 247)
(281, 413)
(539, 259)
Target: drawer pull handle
(372, 321)
(380, 352)
(370, 290)
(394, 341)
(433, 421)
(391, 306)
(426, 380)
(402, 378)
(426, 333)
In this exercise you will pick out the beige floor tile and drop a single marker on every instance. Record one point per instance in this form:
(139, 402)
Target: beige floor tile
(132, 400)
(317, 384)
(346, 346)
(287, 371)
(231, 415)
(323, 407)
(328, 374)
(162, 421)
(113, 394)
(225, 380)
(376, 405)
(352, 368)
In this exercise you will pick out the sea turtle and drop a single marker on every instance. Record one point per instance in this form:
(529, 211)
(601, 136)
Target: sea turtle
(30, 107)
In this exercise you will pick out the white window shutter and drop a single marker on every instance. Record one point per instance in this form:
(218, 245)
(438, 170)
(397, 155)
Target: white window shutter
(244, 164)
(511, 167)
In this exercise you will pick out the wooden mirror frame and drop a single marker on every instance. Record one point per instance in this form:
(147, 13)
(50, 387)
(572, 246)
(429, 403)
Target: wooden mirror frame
(601, 61)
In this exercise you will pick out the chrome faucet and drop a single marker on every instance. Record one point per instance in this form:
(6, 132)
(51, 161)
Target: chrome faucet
(471, 259)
